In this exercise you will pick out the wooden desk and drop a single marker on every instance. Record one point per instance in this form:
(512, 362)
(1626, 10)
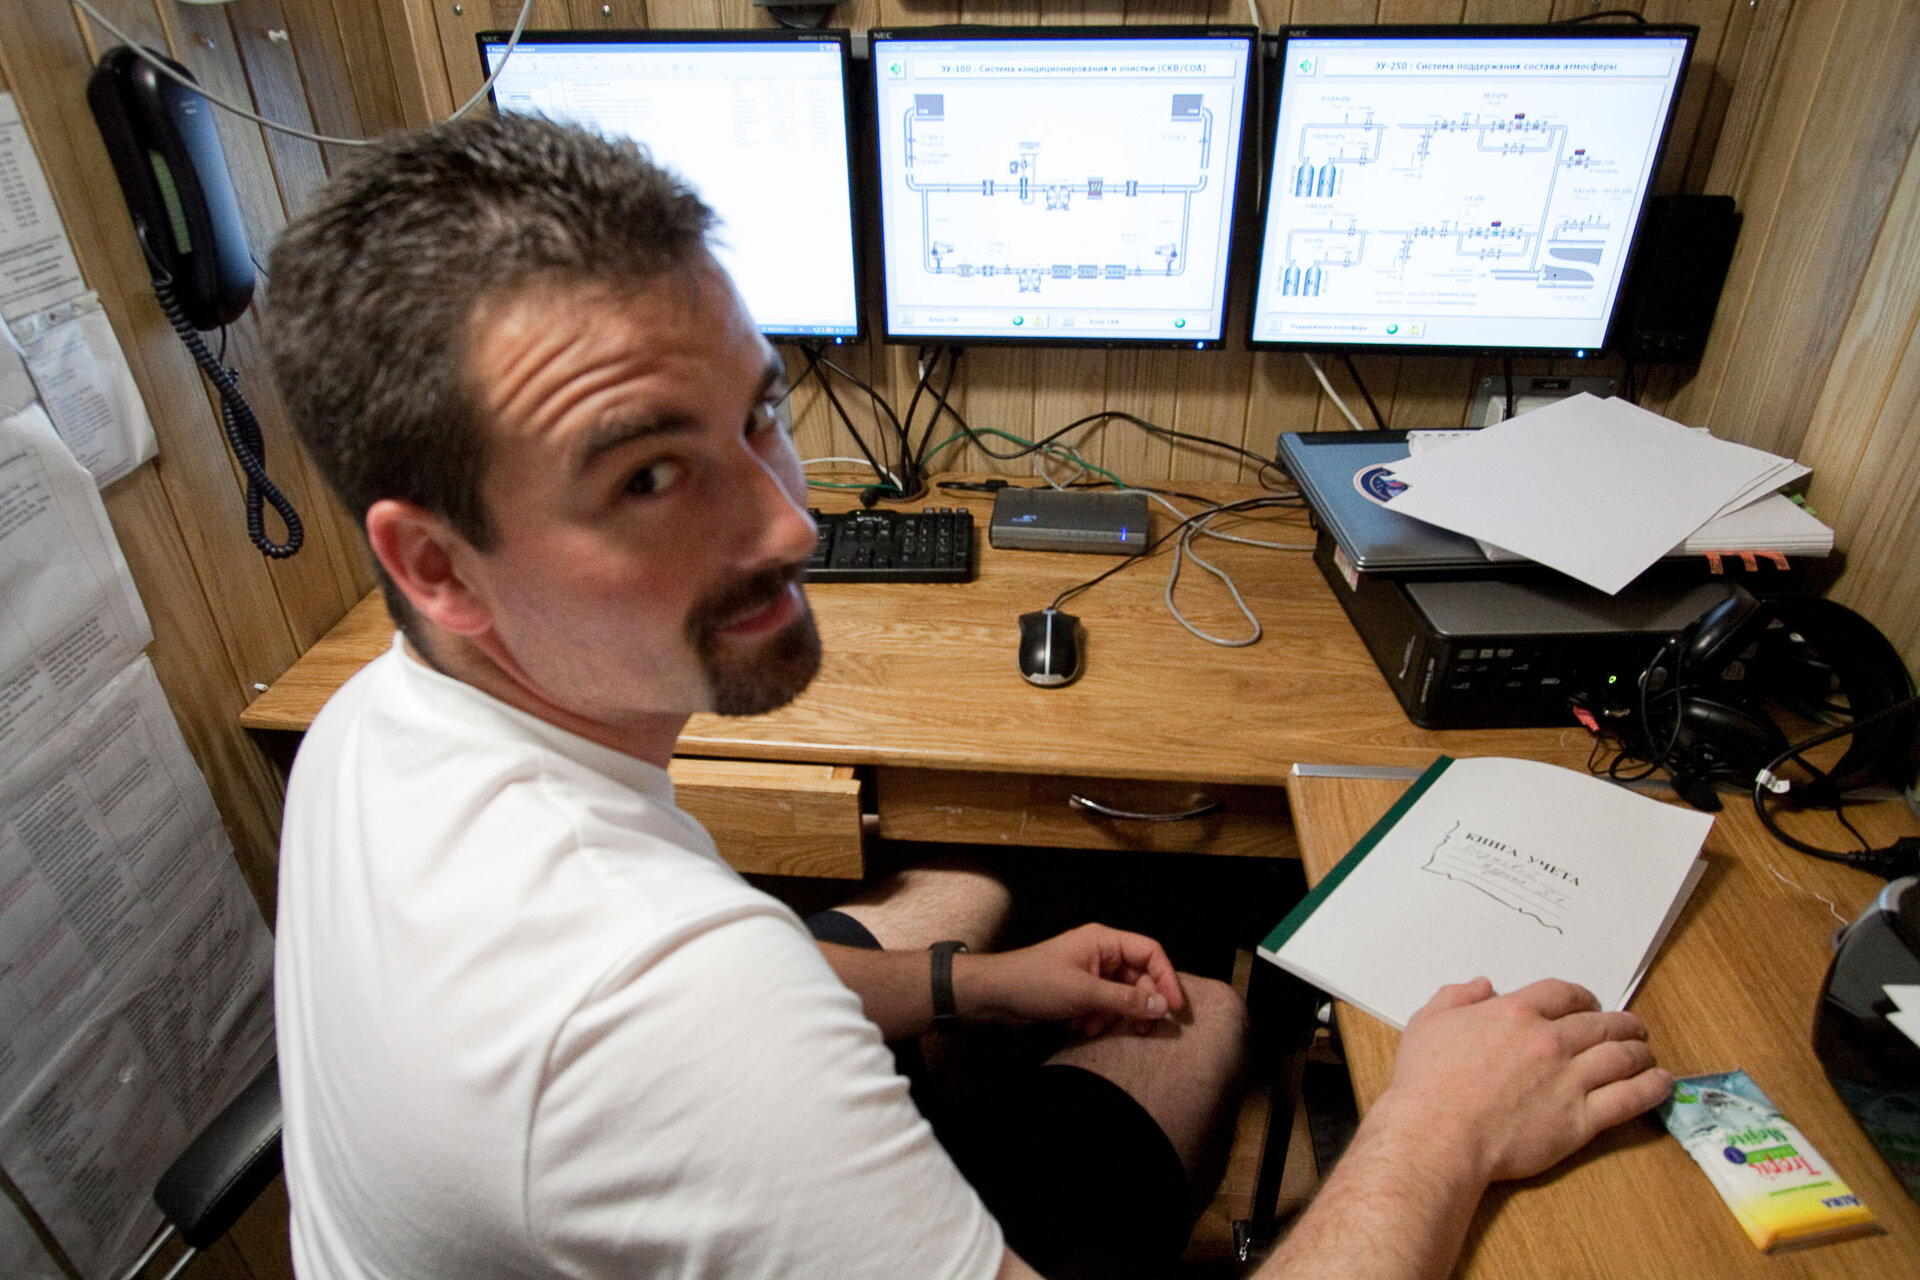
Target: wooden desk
(920, 685)
(1735, 987)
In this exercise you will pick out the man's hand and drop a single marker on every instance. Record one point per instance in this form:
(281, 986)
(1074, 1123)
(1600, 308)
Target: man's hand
(1523, 1079)
(1485, 1087)
(1092, 976)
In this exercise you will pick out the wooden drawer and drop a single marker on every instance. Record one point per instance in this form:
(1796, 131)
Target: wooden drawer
(995, 808)
(776, 819)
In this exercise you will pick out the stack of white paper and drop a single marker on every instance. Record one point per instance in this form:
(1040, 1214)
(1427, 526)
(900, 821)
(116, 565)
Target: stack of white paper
(1600, 489)
(1511, 870)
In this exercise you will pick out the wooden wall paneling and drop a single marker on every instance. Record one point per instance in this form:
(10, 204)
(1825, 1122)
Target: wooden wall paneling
(619, 15)
(1711, 16)
(1880, 517)
(458, 57)
(1141, 382)
(1731, 54)
(1878, 337)
(412, 35)
(1834, 192)
(1433, 391)
(998, 396)
(322, 73)
(1282, 396)
(371, 68)
(1069, 385)
(315, 587)
(1864, 441)
(1779, 68)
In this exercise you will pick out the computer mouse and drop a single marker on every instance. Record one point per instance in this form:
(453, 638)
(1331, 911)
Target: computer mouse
(1050, 648)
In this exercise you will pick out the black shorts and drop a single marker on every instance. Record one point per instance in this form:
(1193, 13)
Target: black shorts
(1081, 1179)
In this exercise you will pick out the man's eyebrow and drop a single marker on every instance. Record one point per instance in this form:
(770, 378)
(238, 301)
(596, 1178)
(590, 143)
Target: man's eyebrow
(619, 431)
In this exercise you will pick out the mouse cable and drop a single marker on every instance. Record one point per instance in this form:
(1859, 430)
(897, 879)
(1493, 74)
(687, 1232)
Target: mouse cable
(1900, 858)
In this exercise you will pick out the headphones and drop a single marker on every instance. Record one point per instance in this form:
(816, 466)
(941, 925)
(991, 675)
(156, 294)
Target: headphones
(1704, 698)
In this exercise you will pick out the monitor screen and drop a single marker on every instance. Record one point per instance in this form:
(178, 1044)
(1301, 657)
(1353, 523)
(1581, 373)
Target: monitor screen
(1460, 188)
(755, 121)
(1059, 185)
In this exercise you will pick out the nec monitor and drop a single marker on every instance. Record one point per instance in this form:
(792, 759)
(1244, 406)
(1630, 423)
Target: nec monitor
(754, 121)
(1460, 189)
(1058, 185)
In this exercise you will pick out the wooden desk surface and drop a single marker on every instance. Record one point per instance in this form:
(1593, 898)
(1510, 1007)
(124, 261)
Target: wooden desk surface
(923, 675)
(1735, 988)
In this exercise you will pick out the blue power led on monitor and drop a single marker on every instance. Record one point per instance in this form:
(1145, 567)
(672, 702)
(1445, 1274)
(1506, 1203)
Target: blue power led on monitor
(754, 121)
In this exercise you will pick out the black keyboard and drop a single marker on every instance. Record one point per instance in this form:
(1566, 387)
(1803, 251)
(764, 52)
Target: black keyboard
(893, 546)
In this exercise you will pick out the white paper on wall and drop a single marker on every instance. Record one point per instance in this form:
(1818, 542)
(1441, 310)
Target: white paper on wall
(22, 1256)
(37, 266)
(135, 971)
(69, 615)
(86, 388)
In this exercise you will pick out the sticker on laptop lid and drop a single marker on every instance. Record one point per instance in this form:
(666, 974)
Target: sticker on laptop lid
(1376, 483)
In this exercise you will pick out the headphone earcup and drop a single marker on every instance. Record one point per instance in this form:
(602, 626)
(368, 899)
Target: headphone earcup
(1724, 742)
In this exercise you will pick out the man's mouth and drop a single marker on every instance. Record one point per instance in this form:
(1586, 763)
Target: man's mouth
(770, 615)
(761, 604)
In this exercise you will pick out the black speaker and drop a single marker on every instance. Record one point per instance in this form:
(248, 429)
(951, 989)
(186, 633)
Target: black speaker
(1686, 246)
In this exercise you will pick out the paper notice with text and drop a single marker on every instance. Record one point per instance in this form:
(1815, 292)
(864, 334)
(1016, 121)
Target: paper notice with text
(135, 971)
(37, 266)
(22, 1256)
(69, 615)
(85, 386)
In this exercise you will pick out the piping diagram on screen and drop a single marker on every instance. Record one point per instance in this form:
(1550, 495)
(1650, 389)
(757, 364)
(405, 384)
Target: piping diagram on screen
(1440, 157)
(1031, 199)
(1471, 186)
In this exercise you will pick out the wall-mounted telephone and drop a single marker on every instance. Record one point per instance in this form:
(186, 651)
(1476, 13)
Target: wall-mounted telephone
(166, 152)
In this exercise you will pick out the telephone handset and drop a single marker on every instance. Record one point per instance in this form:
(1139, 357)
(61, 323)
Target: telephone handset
(173, 172)
(166, 152)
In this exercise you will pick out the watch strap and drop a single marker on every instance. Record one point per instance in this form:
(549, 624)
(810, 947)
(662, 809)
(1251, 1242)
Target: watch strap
(946, 1016)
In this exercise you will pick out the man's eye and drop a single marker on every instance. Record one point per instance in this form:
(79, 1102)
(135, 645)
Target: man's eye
(765, 417)
(655, 477)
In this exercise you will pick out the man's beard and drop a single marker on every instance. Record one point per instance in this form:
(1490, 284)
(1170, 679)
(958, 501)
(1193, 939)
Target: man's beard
(771, 675)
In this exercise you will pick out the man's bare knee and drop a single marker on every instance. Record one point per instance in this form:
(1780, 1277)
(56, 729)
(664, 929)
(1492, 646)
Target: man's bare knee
(1185, 1072)
(932, 902)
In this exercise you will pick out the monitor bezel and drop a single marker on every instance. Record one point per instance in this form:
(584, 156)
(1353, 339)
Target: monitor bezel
(1238, 198)
(740, 35)
(1465, 31)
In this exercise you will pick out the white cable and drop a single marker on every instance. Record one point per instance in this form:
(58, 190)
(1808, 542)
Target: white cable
(141, 52)
(1333, 395)
(1253, 14)
(880, 471)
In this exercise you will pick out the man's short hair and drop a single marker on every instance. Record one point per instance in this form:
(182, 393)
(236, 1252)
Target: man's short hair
(374, 290)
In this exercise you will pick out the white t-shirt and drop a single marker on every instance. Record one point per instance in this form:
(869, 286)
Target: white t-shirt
(531, 1025)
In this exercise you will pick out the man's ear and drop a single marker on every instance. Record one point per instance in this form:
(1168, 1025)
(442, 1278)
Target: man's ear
(431, 563)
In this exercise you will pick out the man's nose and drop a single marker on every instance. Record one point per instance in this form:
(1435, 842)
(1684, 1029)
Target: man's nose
(784, 532)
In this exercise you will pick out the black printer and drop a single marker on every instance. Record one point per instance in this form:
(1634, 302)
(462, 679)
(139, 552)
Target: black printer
(1866, 1040)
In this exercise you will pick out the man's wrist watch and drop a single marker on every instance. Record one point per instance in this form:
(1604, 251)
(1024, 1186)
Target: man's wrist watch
(946, 1016)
